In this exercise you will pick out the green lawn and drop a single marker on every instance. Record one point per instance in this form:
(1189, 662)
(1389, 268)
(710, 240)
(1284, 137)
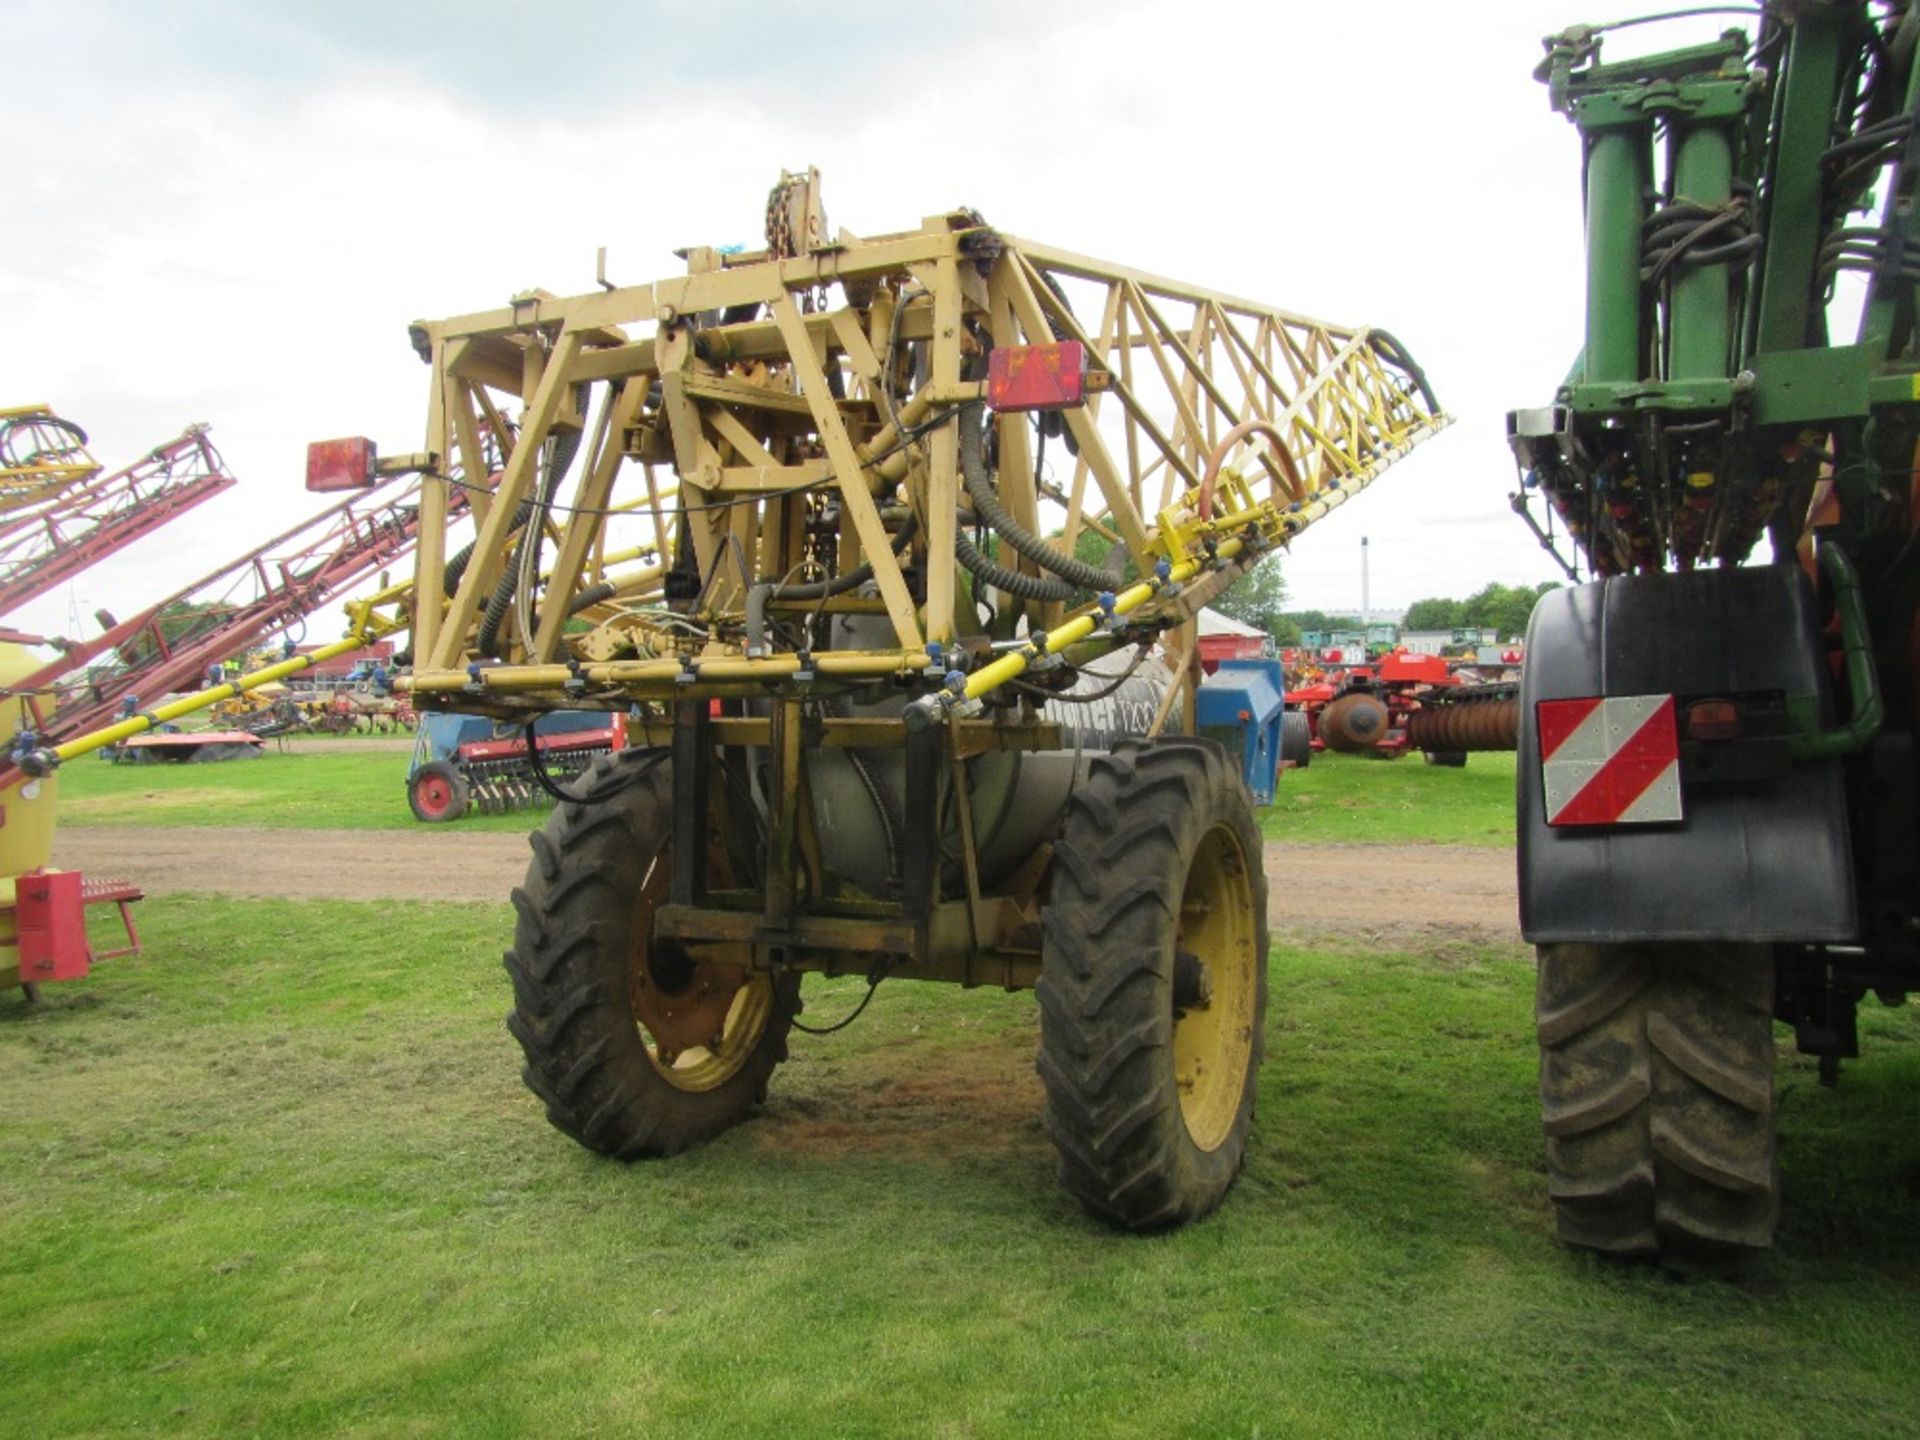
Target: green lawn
(1349, 798)
(1338, 798)
(364, 788)
(278, 1177)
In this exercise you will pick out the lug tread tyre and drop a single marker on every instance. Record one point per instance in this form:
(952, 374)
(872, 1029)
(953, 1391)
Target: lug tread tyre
(1656, 1084)
(1296, 738)
(1105, 992)
(586, 1056)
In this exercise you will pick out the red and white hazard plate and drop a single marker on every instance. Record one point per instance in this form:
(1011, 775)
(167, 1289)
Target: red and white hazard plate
(1610, 761)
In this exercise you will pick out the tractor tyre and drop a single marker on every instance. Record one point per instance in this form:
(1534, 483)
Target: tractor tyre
(1354, 723)
(1153, 985)
(1656, 1089)
(1296, 738)
(638, 1047)
(438, 793)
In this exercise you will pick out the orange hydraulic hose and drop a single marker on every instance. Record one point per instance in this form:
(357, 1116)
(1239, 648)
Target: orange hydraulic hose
(1296, 490)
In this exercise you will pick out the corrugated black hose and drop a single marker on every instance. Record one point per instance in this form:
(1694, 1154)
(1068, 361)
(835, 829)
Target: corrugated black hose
(564, 445)
(986, 504)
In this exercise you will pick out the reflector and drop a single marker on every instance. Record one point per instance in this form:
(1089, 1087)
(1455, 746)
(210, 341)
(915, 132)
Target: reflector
(1037, 377)
(1713, 720)
(340, 464)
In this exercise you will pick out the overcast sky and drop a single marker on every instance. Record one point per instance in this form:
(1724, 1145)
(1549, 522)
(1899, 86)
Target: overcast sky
(228, 210)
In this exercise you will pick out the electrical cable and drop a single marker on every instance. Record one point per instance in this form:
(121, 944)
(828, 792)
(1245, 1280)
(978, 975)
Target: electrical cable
(881, 970)
(561, 447)
(1089, 698)
(1761, 9)
(645, 766)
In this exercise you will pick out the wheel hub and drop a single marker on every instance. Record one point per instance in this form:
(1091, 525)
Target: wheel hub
(682, 999)
(1192, 982)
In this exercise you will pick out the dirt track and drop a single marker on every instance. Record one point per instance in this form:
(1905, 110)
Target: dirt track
(1378, 891)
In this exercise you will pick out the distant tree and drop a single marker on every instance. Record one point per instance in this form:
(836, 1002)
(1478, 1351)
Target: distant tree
(1432, 615)
(180, 622)
(1321, 620)
(1258, 598)
(1090, 547)
(1503, 608)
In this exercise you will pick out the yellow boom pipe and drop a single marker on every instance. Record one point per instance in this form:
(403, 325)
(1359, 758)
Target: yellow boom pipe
(39, 762)
(717, 670)
(966, 690)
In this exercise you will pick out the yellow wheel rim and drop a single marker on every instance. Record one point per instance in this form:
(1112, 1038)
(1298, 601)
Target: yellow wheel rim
(701, 1012)
(704, 1067)
(1213, 1039)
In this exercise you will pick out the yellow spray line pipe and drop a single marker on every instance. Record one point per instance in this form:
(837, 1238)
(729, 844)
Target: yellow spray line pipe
(42, 761)
(715, 671)
(963, 692)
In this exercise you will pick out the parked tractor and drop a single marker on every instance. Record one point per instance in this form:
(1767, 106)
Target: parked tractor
(1717, 785)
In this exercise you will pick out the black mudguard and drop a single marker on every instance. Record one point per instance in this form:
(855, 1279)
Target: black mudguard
(1764, 861)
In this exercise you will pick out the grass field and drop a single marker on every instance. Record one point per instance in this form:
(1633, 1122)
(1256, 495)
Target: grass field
(1355, 799)
(1336, 798)
(362, 788)
(279, 1177)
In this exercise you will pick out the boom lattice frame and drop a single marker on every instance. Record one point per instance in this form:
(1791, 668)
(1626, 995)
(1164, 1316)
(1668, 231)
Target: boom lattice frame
(788, 413)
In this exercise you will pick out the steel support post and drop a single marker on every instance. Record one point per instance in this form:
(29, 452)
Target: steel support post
(920, 849)
(692, 809)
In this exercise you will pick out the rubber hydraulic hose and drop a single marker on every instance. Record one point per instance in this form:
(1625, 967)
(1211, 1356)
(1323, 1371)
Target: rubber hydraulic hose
(457, 566)
(1283, 457)
(761, 592)
(1394, 353)
(1014, 582)
(566, 443)
(590, 596)
(973, 469)
(1863, 682)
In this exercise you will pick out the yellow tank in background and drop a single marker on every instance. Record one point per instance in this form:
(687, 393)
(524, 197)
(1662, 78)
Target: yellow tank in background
(27, 808)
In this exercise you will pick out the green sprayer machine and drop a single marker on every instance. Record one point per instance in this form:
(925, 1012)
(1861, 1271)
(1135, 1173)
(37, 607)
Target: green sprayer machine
(1716, 780)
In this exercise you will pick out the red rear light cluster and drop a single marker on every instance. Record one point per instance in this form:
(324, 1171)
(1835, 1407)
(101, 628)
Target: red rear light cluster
(1037, 377)
(1713, 720)
(341, 464)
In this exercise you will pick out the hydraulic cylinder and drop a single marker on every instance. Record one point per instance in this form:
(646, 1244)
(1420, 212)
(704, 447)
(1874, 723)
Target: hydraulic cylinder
(1616, 211)
(1698, 319)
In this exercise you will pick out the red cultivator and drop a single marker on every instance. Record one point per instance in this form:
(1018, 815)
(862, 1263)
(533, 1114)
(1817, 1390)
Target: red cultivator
(1410, 702)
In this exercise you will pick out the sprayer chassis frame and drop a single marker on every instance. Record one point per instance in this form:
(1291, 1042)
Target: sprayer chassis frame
(972, 939)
